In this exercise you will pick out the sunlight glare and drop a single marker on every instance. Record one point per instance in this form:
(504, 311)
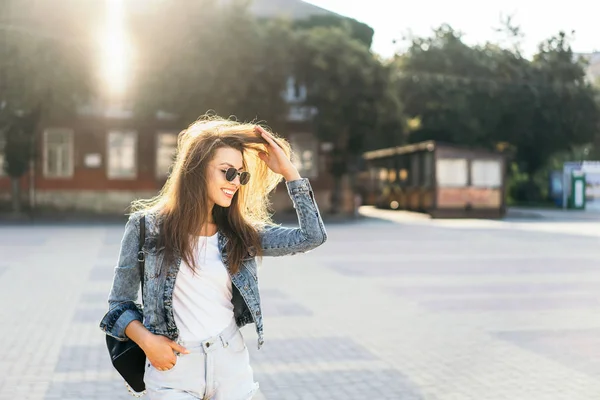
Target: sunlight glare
(115, 49)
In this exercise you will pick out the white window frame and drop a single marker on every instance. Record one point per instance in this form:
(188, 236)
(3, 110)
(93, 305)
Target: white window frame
(116, 176)
(452, 172)
(490, 174)
(68, 173)
(160, 173)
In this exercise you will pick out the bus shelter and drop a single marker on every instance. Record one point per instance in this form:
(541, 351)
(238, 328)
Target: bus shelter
(443, 180)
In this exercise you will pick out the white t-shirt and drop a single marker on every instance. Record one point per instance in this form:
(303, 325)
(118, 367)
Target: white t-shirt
(202, 298)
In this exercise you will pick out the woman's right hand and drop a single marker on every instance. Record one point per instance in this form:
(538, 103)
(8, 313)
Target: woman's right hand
(160, 351)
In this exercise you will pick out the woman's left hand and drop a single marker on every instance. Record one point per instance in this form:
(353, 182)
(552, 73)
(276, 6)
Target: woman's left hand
(276, 159)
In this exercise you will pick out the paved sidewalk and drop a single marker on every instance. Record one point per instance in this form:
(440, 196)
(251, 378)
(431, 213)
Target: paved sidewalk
(404, 309)
(553, 214)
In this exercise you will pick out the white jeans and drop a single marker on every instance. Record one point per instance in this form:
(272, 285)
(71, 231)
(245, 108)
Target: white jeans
(216, 369)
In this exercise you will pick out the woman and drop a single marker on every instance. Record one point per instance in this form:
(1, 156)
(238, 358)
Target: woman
(203, 234)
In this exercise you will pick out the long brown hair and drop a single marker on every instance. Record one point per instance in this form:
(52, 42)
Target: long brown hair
(183, 201)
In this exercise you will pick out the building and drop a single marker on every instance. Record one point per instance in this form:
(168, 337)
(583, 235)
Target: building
(101, 159)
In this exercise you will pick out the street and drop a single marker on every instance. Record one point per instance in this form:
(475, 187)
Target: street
(388, 308)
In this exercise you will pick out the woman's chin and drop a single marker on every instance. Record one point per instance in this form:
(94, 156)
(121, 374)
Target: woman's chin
(224, 203)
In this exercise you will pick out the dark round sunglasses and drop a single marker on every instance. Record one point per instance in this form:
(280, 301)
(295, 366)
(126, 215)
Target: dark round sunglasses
(231, 173)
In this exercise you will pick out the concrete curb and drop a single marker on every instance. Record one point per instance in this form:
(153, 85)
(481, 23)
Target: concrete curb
(553, 214)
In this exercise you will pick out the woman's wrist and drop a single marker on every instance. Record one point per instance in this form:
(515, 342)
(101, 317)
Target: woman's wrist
(137, 332)
(292, 176)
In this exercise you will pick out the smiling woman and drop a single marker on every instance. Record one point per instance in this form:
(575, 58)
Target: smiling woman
(205, 230)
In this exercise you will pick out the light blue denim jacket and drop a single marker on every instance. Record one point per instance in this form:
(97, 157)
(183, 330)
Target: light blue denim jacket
(157, 311)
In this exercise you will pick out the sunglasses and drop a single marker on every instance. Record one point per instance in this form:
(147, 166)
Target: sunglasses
(231, 173)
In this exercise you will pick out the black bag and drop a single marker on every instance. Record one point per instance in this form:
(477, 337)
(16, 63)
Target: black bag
(126, 356)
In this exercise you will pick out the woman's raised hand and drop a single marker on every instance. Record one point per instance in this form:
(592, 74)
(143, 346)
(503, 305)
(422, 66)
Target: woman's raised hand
(276, 159)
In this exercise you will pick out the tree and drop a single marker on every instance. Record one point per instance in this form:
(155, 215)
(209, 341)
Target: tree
(357, 30)
(204, 56)
(44, 72)
(595, 150)
(19, 131)
(452, 88)
(349, 87)
(486, 95)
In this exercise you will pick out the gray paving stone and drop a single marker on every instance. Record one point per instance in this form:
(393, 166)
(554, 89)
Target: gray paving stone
(578, 349)
(95, 298)
(109, 390)
(521, 288)
(107, 256)
(466, 266)
(23, 239)
(113, 237)
(89, 315)
(285, 308)
(83, 358)
(276, 303)
(538, 303)
(342, 385)
(102, 273)
(273, 294)
(309, 350)
(382, 311)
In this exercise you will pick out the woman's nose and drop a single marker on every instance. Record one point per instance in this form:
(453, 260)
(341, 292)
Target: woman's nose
(236, 181)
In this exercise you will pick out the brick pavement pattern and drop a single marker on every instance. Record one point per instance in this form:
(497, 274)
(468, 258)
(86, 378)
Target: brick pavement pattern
(388, 308)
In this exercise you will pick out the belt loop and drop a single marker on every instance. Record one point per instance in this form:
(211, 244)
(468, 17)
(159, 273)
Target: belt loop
(224, 342)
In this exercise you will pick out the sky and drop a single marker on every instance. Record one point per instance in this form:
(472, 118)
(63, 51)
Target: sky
(392, 19)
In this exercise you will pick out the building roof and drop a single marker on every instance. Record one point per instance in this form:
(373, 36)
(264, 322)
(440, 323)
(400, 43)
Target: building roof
(294, 9)
(90, 14)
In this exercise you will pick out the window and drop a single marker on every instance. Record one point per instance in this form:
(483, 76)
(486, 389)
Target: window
(166, 147)
(122, 160)
(58, 153)
(295, 92)
(305, 149)
(486, 173)
(392, 175)
(451, 172)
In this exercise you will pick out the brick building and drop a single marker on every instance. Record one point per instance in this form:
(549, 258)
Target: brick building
(102, 158)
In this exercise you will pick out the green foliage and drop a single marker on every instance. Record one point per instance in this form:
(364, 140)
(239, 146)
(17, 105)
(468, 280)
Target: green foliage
(483, 95)
(349, 87)
(204, 56)
(354, 94)
(43, 70)
(355, 29)
(19, 134)
(42, 62)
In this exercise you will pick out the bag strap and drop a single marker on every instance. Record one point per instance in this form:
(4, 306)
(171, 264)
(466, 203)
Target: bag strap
(140, 256)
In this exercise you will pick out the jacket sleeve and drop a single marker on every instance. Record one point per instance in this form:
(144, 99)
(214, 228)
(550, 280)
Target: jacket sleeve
(123, 308)
(279, 241)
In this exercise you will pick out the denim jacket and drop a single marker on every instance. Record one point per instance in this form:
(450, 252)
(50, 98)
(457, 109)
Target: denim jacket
(157, 311)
